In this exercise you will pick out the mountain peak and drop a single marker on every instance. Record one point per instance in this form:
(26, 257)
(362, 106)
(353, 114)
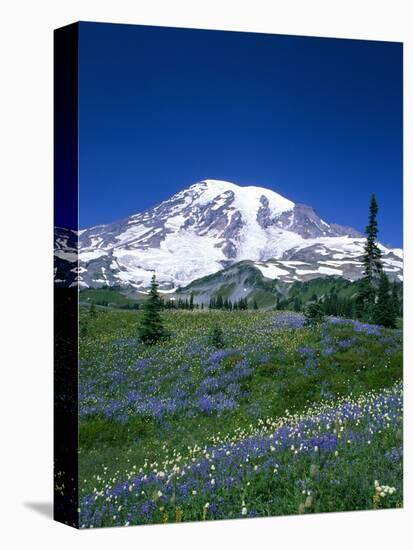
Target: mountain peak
(247, 197)
(210, 225)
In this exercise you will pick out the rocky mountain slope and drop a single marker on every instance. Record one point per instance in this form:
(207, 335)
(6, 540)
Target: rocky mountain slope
(211, 226)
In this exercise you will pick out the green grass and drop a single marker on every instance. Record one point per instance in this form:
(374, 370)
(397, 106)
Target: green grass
(281, 376)
(108, 297)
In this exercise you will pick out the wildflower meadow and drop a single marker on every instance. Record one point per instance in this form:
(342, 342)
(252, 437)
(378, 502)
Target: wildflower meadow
(279, 418)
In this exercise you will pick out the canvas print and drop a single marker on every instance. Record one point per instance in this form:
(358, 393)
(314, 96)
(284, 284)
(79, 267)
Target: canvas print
(228, 275)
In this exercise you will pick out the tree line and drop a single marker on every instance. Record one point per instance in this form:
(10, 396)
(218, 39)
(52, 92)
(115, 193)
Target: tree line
(215, 302)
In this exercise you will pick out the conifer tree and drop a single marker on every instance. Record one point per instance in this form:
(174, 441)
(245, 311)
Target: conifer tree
(216, 337)
(372, 253)
(395, 299)
(152, 329)
(313, 313)
(365, 304)
(384, 311)
(255, 305)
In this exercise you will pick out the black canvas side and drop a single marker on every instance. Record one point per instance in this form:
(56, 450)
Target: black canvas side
(66, 489)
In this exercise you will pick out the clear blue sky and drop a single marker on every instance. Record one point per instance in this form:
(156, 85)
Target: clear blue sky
(317, 120)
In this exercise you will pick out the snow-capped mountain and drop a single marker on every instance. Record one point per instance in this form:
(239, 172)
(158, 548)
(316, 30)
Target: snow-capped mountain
(209, 226)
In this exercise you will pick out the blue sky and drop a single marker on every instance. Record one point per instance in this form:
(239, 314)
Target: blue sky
(316, 120)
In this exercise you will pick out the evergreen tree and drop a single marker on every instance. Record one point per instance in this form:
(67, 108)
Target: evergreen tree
(365, 302)
(191, 301)
(384, 312)
(92, 310)
(255, 305)
(313, 313)
(372, 253)
(152, 329)
(219, 302)
(333, 303)
(217, 337)
(396, 300)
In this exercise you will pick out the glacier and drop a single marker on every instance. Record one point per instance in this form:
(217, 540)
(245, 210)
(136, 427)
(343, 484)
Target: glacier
(209, 226)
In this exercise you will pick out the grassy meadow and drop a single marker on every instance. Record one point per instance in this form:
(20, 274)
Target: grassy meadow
(281, 419)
